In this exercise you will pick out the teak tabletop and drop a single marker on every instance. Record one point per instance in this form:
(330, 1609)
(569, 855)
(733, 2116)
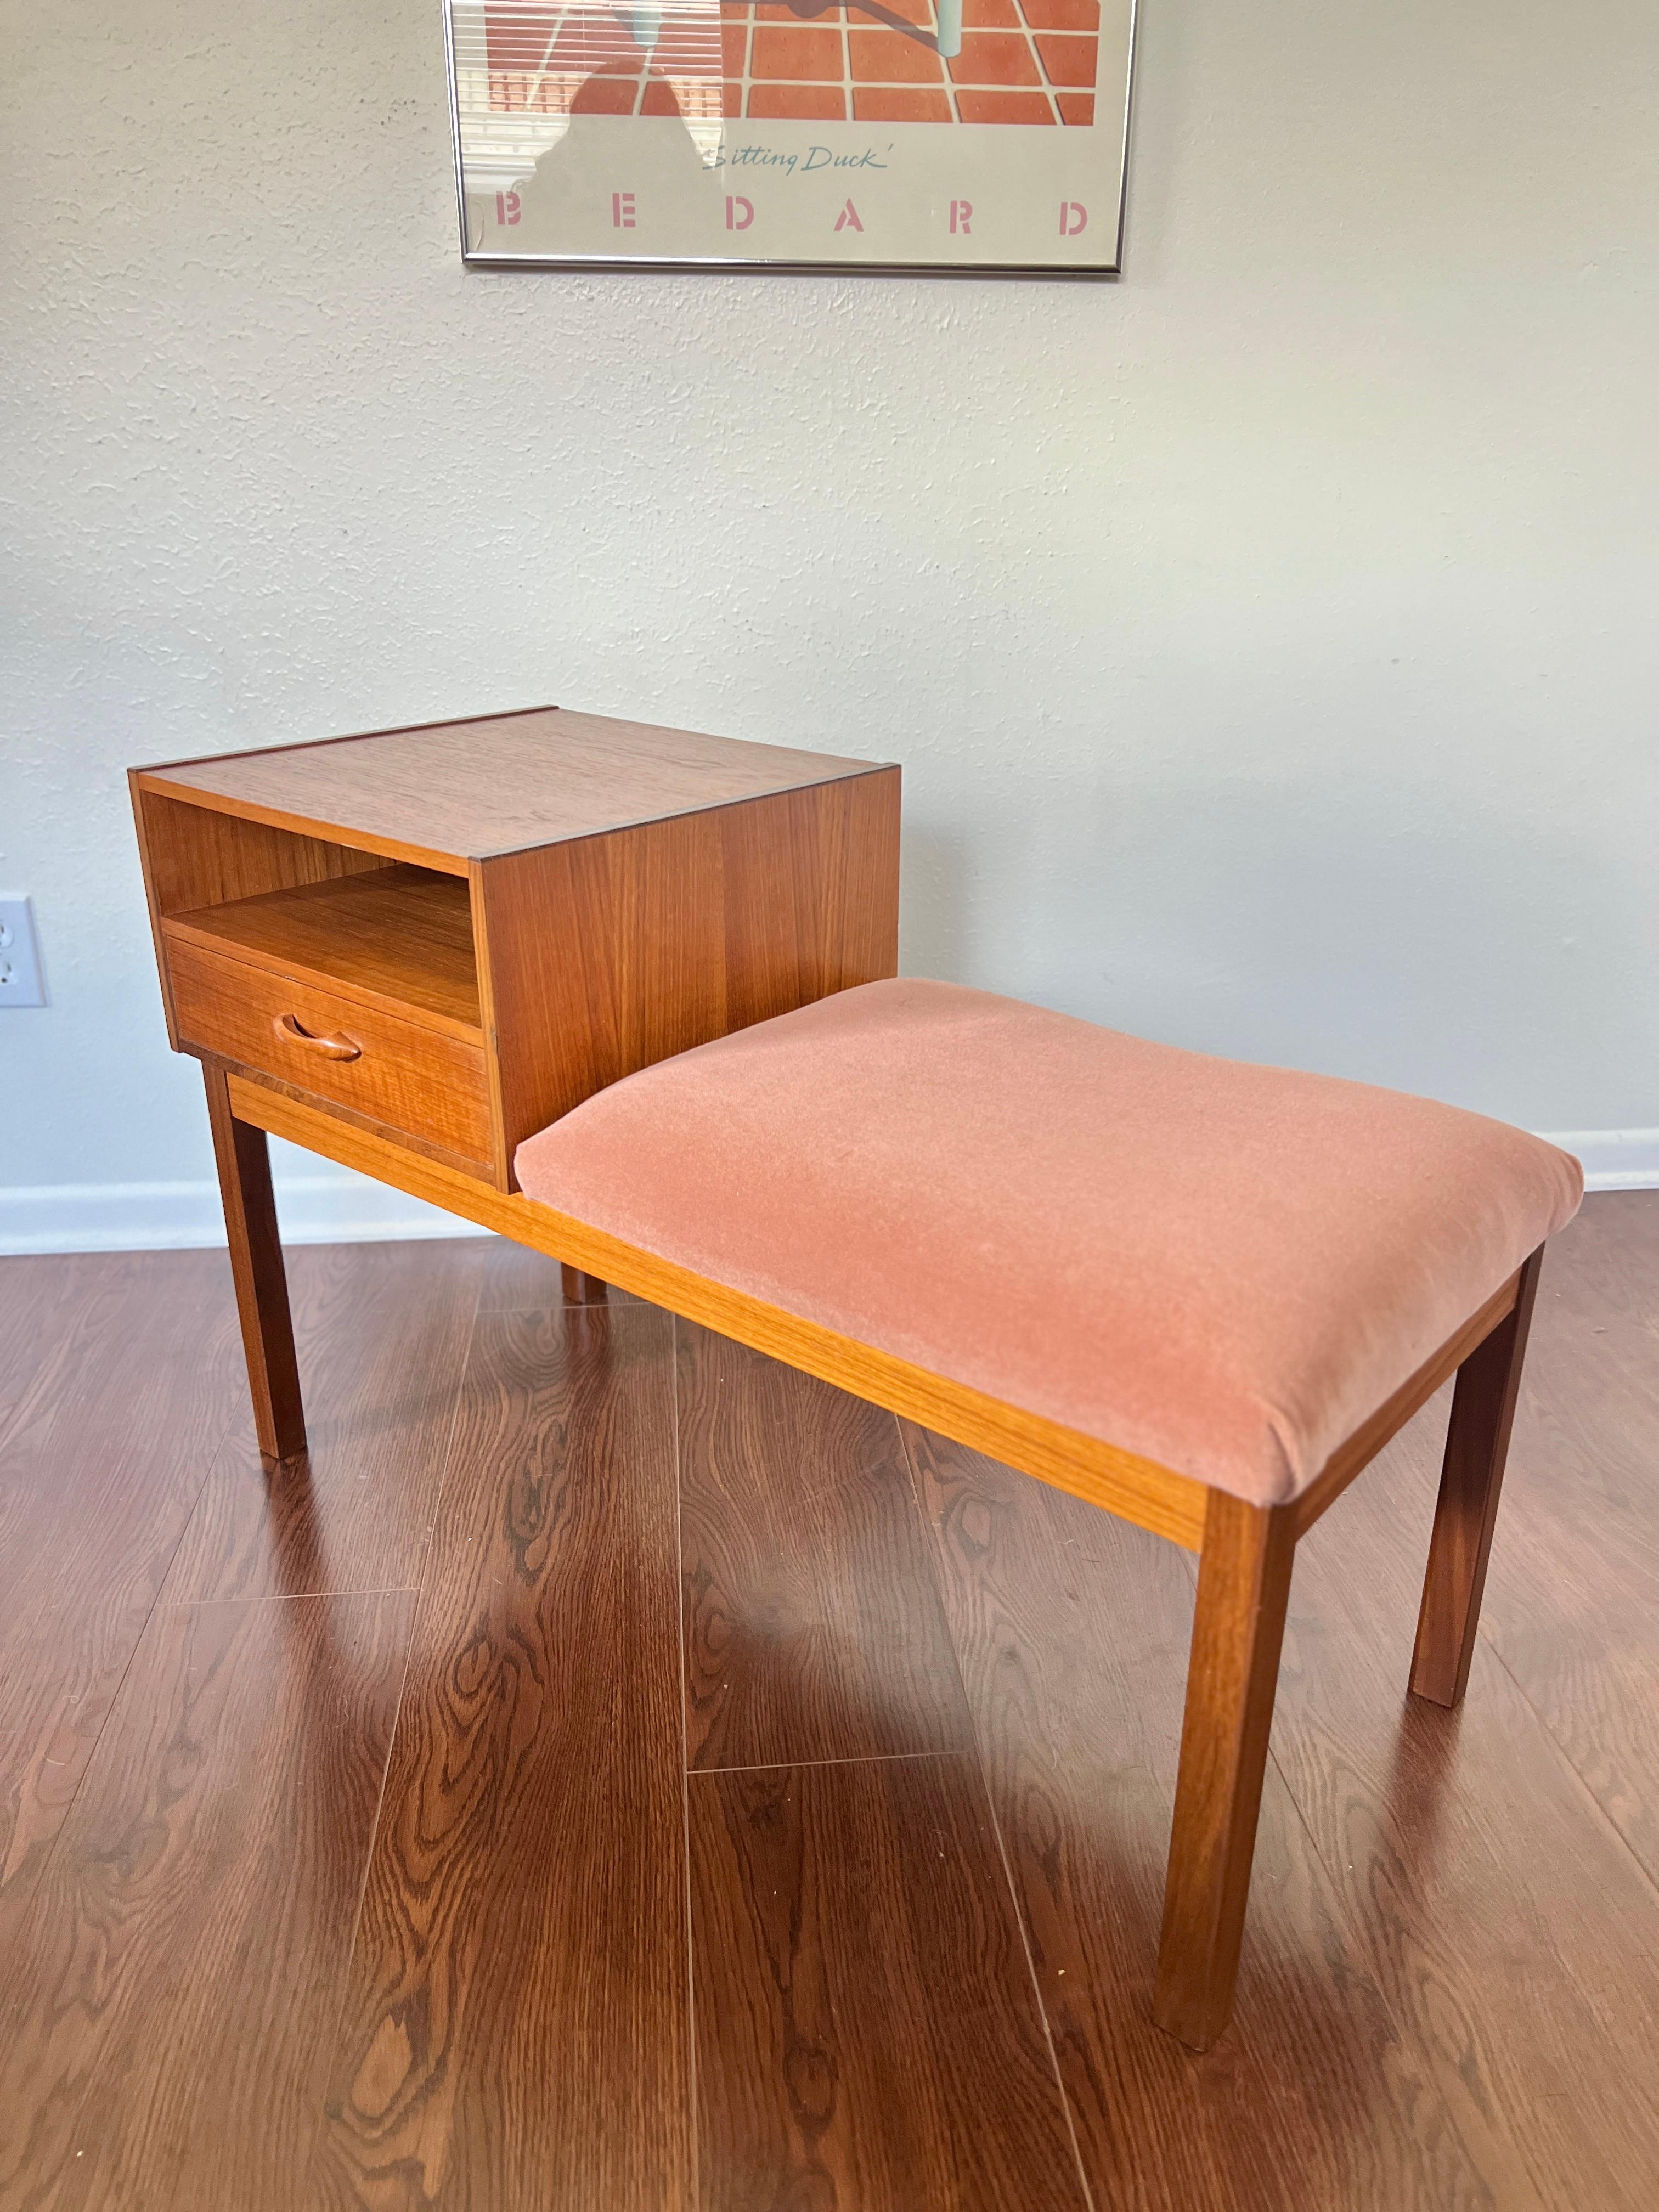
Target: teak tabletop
(443, 793)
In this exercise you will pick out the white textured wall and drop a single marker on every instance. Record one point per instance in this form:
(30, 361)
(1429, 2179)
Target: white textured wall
(1270, 638)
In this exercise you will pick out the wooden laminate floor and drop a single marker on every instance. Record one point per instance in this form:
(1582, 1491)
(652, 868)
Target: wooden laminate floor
(619, 1775)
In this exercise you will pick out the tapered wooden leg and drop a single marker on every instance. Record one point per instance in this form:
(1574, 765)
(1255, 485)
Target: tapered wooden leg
(1244, 1586)
(579, 1289)
(1477, 1444)
(256, 1263)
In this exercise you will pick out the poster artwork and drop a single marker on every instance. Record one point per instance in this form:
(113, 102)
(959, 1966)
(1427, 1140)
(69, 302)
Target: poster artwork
(880, 134)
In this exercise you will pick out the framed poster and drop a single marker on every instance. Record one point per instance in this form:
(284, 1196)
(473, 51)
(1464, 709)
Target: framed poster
(953, 136)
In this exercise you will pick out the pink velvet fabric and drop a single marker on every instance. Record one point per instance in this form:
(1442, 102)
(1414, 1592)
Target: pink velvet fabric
(1222, 1268)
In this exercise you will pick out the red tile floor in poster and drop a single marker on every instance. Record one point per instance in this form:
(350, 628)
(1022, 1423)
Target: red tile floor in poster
(858, 61)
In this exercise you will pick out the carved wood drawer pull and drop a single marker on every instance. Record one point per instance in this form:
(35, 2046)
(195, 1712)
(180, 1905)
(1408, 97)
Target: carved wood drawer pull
(331, 1048)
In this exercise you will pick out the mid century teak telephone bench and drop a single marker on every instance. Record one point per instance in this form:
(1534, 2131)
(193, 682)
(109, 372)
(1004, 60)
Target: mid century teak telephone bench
(626, 995)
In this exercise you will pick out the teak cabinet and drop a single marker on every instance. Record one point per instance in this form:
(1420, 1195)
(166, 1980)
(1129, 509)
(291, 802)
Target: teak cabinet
(450, 935)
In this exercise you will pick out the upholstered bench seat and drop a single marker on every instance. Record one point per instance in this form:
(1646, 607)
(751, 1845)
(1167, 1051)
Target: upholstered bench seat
(1221, 1267)
(1201, 1294)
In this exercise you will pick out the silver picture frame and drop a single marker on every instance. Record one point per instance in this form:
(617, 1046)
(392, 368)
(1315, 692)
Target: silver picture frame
(526, 153)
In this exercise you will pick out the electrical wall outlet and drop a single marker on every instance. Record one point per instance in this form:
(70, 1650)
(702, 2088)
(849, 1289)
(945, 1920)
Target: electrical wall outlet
(20, 984)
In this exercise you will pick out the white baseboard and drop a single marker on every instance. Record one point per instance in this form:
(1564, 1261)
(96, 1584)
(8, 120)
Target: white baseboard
(339, 1207)
(335, 1208)
(1614, 1159)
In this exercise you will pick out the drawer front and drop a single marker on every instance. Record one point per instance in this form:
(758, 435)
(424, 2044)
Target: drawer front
(418, 1080)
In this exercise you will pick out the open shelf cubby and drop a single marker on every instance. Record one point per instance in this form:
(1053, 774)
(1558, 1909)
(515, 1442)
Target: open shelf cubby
(396, 937)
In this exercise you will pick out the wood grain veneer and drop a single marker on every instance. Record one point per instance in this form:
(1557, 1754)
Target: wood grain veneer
(600, 954)
(421, 1080)
(447, 793)
(403, 1138)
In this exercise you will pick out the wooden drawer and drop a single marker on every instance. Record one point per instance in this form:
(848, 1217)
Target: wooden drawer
(415, 1079)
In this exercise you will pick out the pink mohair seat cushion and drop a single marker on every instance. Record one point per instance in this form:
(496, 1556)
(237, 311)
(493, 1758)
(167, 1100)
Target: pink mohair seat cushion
(1222, 1268)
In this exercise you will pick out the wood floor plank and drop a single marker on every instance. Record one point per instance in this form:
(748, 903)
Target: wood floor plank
(1512, 1931)
(516, 2036)
(382, 1332)
(111, 1434)
(40, 1298)
(163, 2040)
(144, 1383)
(1073, 1630)
(1448, 2002)
(60, 1669)
(515, 1276)
(812, 1622)
(1574, 1594)
(868, 2036)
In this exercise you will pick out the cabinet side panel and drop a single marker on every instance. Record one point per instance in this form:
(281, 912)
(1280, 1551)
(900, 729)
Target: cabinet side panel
(600, 956)
(812, 894)
(141, 821)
